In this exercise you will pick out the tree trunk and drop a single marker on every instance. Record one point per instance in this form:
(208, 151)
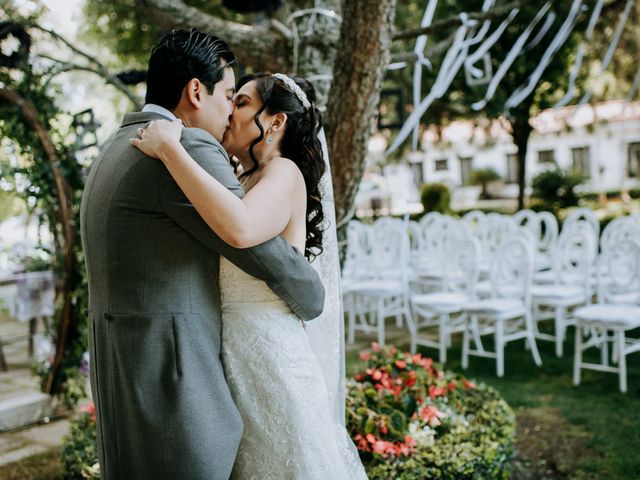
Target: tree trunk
(365, 40)
(521, 130)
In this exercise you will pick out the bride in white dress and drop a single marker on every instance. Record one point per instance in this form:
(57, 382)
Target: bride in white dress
(290, 430)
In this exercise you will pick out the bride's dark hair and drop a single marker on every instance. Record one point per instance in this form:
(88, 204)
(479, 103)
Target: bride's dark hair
(300, 143)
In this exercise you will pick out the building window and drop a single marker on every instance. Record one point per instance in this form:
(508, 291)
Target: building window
(547, 157)
(442, 165)
(581, 161)
(633, 162)
(418, 173)
(465, 169)
(512, 168)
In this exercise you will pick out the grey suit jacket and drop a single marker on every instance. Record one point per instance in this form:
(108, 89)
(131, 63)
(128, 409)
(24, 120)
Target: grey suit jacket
(164, 410)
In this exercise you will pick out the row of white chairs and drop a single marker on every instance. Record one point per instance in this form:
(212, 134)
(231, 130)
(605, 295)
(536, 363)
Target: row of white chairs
(490, 275)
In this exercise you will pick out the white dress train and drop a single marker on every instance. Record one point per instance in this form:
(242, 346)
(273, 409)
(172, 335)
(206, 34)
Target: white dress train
(290, 431)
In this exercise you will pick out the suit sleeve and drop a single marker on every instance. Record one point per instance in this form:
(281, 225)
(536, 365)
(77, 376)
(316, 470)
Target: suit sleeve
(276, 261)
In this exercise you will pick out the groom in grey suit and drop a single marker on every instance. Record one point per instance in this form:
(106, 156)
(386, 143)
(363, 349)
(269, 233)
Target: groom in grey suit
(164, 410)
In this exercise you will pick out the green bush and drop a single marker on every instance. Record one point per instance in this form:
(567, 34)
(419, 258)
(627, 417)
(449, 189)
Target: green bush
(79, 449)
(435, 197)
(483, 177)
(412, 421)
(555, 189)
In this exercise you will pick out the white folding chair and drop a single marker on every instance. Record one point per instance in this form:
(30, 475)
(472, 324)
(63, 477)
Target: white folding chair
(507, 313)
(615, 315)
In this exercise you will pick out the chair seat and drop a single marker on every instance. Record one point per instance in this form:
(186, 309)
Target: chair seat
(613, 314)
(496, 306)
(445, 302)
(566, 295)
(376, 288)
(545, 278)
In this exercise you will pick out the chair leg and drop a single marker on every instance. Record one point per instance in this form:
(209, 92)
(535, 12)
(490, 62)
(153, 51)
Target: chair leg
(351, 317)
(531, 338)
(399, 320)
(577, 355)
(499, 335)
(465, 343)
(622, 360)
(412, 326)
(559, 330)
(443, 334)
(604, 348)
(380, 315)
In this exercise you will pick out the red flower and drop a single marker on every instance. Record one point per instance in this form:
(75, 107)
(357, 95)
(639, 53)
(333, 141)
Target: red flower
(436, 392)
(365, 356)
(451, 386)
(468, 384)
(91, 410)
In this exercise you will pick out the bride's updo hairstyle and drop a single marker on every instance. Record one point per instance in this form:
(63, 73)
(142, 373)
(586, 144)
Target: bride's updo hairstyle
(300, 142)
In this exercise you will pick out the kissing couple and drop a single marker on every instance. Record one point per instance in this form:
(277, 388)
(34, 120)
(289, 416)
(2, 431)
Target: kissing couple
(200, 279)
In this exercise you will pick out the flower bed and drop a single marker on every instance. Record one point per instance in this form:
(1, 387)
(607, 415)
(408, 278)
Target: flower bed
(410, 421)
(79, 451)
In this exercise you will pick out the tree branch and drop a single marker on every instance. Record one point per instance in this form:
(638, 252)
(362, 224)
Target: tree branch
(262, 47)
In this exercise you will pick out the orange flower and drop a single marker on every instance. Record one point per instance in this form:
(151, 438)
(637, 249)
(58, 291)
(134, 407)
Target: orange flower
(468, 384)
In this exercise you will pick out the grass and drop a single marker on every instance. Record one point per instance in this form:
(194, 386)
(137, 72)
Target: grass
(44, 466)
(591, 431)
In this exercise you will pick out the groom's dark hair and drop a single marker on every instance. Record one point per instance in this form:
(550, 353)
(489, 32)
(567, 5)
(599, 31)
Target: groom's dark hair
(180, 56)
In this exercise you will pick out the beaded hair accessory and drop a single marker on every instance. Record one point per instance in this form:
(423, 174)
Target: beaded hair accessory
(293, 86)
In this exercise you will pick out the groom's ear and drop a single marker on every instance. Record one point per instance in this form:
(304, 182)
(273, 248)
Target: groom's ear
(193, 92)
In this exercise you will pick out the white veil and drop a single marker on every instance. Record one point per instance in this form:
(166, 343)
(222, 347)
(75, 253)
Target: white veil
(326, 332)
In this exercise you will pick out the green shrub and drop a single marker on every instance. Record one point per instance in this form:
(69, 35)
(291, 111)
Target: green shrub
(483, 177)
(555, 189)
(79, 449)
(412, 421)
(435, 197)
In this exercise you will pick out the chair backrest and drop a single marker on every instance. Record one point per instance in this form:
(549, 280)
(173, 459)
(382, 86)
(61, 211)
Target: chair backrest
(473, 219)
(512, 270)
(492, 232)
(462, 264)
(583, 215)
(529, 220)
(619, 272)
(548, 231)
(574, 256)
(621, 228)
(358, 251)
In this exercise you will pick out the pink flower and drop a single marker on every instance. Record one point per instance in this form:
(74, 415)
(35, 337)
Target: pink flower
(91, 410)
(468, 384)
(401, 364)
(431, 415)
(365, 356)
(376, 347)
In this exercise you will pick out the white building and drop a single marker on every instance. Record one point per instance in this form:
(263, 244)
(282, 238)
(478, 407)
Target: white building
(603, 143)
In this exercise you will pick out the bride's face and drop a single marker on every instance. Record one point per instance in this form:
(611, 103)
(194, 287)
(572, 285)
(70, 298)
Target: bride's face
(242, 127)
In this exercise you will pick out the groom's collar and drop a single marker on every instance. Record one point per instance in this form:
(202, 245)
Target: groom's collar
(133, 118)
(152, 107)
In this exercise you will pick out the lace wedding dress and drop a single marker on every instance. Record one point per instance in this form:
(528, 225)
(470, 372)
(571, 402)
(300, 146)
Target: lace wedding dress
(290, 431)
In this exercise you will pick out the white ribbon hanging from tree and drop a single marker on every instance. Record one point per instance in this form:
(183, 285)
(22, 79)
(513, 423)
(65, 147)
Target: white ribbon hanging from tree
(563, 33)
(611, 50)
(511, 56)
(421, 60)
(582, 49)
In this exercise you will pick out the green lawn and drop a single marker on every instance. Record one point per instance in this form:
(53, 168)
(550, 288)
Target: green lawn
(589, 431)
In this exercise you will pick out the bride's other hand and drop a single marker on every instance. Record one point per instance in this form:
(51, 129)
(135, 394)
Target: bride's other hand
(159, 138)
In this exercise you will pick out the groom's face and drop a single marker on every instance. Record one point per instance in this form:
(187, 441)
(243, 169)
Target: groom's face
(215, 111)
